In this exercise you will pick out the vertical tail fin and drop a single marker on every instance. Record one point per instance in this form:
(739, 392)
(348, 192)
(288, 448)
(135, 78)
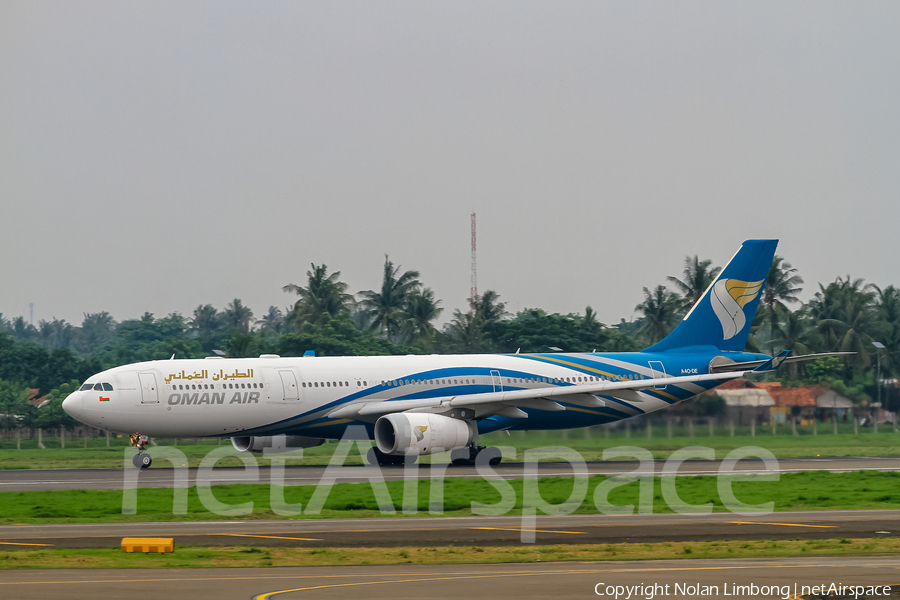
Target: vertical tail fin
(722, 317)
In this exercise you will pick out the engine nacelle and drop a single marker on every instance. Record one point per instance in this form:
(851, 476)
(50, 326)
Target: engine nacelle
(274, 443)
(422, 433)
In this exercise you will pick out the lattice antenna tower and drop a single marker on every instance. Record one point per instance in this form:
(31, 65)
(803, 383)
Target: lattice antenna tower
(473, 293)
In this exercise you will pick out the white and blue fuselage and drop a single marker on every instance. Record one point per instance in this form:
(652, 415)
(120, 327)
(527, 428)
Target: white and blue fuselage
(295, 396)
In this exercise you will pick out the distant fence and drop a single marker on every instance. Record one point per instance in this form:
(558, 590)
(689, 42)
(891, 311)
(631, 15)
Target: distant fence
(24, 438)
(656, 425)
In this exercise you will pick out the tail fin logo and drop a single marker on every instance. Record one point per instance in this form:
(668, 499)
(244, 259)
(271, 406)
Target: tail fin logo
(729, 298)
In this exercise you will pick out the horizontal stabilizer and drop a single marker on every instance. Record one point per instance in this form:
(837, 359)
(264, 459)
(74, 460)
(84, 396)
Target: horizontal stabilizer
(754, 365)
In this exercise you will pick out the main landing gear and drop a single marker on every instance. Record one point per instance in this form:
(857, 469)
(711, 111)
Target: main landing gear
(466, 457)
(141, 460)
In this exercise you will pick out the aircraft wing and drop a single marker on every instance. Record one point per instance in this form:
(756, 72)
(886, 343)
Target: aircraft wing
(727, 367)
(507, 403)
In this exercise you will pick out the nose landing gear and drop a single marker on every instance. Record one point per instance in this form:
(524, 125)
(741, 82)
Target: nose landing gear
(141, 460)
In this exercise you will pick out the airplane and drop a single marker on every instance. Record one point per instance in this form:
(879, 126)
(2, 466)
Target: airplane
(417, 405)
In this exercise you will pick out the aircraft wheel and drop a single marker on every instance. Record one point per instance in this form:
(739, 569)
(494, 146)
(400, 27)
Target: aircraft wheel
(463, 457)
(492, 455)
(142, 461)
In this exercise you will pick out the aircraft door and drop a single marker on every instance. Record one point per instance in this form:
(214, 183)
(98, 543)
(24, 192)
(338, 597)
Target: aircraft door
(289, 383)
(498, 382)
(149, 390)
(659, 371)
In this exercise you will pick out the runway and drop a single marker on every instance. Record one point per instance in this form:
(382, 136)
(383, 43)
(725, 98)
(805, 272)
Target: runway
(161, 477)
(479, 531)
(533, 581)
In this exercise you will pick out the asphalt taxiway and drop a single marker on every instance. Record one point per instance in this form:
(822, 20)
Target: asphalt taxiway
(533, 581)
(24, 480)
(479, 531)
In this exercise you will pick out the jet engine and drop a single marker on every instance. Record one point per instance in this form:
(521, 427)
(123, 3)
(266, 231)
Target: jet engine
(274, 443)
(422, 433)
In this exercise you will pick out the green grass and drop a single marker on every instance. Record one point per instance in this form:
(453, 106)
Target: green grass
(193, 557)
(590, 443)
(793, 491)
(98, 456)
(782, 445)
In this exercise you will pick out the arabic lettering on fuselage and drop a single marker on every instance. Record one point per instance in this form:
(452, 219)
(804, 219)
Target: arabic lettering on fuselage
(248, 374)
(236, 375)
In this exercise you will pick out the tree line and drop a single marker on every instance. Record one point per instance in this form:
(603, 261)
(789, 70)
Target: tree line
(399, 318)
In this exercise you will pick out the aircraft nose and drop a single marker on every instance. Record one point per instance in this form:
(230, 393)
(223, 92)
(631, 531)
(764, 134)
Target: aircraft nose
(72, 404)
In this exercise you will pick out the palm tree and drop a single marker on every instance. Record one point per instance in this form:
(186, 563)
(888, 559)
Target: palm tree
(660, 313)
(273, 321)
(589, 321)
(850, 317)
(781, 288)
(206, 320)
(386, 306)
(795, 332)
(464, 332)
(488, 307)
(324, 297)
(96, 328)
(23, 330)
(888, 303)
(238, 316)
(55, 334)
(825, 310)
(421, 309)
(698, 276)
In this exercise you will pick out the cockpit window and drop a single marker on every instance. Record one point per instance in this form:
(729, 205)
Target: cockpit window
(87, 386)
(107, 387)
(98, 387)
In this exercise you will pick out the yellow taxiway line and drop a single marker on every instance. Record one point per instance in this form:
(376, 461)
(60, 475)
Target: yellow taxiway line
(268, 595)
(271, 537)
(22, 544)
(526, 529)
(782, 524)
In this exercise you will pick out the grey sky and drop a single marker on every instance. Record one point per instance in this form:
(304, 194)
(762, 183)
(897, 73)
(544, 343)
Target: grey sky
(159, 155)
